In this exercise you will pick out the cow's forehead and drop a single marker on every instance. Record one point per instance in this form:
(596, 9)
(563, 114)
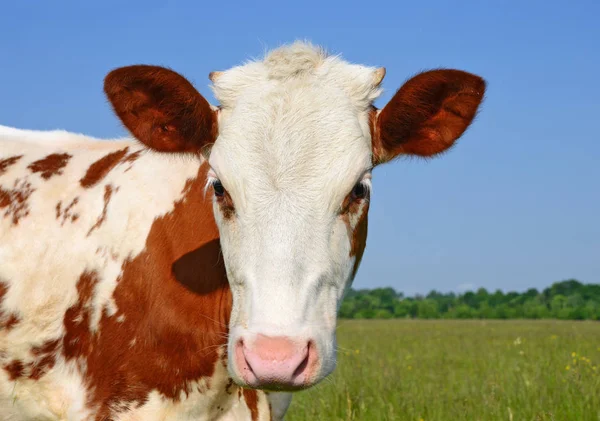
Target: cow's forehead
(298, 67)
(306, 161)
(296, 121)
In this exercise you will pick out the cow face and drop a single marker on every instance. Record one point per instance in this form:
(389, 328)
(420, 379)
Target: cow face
(291, 149)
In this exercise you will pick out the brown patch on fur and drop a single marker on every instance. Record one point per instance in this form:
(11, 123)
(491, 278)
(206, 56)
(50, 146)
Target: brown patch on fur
(161, 108)
(7, 321)
(77, 338)
(226, 206)
(107, 252)
(45, 358)
(3, 291)
(15, 200)
(131, 158)
(357, 233)
(228, 386)
(99, 169)
(359, 239)
(50, 165)
(251, 398)
(14, 369)
(66, 212)
(173, 300)
(108, 190)
(7, 162)
(427, 114)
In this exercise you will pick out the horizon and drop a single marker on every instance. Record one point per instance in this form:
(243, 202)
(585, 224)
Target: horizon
(511, 207)
(489, 290)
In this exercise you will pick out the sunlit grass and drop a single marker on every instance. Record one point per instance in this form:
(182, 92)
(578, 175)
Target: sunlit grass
(459, 370)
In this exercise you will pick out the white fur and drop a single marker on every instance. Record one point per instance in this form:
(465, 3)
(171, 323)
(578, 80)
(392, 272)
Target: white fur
(293, 140)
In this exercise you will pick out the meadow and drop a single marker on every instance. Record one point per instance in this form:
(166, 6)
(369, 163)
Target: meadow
(446, 370)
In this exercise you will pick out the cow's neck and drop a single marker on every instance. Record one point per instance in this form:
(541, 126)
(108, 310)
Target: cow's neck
(173, 303)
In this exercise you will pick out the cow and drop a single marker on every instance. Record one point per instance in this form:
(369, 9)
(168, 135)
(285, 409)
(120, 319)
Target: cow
(194, 270)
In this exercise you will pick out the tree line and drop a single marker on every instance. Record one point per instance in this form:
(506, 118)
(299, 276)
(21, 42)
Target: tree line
(568, 300)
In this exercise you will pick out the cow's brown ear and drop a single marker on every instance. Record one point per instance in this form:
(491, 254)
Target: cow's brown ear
(161, 108)
(427, 114)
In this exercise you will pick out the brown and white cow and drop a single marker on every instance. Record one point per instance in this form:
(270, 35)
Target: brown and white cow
(172, 275)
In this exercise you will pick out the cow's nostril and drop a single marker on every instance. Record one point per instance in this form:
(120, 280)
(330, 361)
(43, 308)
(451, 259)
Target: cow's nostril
(300, 369)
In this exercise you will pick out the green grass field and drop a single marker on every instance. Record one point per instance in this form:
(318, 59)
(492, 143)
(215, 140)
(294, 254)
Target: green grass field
(459, 370)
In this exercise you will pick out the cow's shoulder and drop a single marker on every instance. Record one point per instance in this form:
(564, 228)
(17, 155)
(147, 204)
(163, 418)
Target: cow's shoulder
(73, 211)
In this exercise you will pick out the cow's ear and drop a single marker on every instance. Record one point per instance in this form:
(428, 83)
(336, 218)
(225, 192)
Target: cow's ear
(427, 114)
(161, 108)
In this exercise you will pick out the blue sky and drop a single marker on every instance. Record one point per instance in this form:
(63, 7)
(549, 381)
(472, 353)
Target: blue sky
(515, 205)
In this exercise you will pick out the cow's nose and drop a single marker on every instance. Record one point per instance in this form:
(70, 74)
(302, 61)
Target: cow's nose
(278, 362)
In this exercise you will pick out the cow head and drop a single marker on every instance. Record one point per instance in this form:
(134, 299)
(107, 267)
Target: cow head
(291, 149)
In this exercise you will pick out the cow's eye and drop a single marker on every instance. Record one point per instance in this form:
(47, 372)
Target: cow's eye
(360, 190)
(218, 188)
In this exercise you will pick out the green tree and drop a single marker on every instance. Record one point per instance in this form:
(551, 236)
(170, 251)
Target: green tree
(568, 299)
(428, 309)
